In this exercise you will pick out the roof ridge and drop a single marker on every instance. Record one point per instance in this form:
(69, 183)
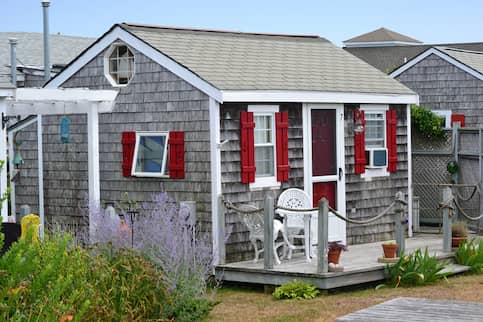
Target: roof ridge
(153, 26)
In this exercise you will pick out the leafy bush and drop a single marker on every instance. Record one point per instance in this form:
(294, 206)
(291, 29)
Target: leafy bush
(296, 290)
(170, 238)
(55, 278)
(426, 123)
(470, 253)
(417, 268)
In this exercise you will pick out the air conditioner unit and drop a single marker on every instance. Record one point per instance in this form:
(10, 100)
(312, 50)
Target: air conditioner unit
(376, 158)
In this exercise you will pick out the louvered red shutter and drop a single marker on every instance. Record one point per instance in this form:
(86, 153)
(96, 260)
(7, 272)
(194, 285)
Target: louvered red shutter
(281, 124)
(458, 118)
(176, 154)
(391, 127)
(359, 143)
(247, 147)
(128, 143)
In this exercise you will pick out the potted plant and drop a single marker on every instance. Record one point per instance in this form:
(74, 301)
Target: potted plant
(459, 233)
(389, 248)
(335, 248)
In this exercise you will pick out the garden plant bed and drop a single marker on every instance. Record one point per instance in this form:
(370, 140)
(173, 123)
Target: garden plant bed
(243, 305)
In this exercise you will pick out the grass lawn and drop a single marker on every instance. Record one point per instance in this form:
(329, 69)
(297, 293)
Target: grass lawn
(253, 305)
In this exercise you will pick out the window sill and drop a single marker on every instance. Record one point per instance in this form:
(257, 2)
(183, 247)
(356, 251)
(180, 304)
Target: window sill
(374, 173)
(264, 183)
(150, 175)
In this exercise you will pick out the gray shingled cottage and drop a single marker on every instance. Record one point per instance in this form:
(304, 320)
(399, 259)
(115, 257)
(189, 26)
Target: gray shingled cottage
(204, 113)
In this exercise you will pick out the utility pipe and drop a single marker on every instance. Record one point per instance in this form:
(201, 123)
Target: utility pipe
(45, 6)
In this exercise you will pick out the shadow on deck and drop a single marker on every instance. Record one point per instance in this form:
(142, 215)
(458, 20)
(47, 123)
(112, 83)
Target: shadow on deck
(360, 266)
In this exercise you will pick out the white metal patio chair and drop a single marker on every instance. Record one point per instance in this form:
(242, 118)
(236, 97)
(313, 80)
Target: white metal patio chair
(254, 223)
(298, 225)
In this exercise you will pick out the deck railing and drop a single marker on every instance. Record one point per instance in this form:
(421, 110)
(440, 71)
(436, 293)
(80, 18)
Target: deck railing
(323, 210)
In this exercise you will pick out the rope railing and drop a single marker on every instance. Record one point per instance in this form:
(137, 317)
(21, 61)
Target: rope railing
(362, 222)
(464, 214)
(475, 189)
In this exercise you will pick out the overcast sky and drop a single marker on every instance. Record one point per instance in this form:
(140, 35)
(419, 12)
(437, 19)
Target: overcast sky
(430, 21)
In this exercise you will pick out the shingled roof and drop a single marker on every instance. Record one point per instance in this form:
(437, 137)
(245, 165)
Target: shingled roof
(30, 50)
(382, 35)
(253, 61)
(472, 59)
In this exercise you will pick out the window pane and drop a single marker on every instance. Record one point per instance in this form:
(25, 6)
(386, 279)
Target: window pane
(263, 129)
(264, 161)
(121, 64)
(375, 130)
(150, 154)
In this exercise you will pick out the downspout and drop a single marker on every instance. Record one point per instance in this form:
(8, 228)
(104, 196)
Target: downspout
(45, 5)
(13, 60)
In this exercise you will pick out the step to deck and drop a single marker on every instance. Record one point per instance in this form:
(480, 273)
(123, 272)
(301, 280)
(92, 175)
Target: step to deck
(453, 269)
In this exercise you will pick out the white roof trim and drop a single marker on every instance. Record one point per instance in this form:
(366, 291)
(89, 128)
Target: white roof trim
(440, 54)
(317, 97)
(7, 92)
(118, 33)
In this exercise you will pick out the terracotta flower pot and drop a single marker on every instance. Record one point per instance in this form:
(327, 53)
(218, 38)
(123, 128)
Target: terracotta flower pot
(456, 241)
(334, 256)
(389, 250)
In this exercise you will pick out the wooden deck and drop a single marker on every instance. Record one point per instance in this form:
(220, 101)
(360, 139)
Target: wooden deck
(409, 309)
(360, 266)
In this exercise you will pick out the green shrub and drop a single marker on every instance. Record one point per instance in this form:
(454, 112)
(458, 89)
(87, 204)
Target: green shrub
(470, 253)
(417, 268)
(55, 278)
(296, 290)
(426, 123)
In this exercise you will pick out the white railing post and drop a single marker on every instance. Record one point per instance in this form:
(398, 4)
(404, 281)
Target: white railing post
(322, 236)
(268, 233)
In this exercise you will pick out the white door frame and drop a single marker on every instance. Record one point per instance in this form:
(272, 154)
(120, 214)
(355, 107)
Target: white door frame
(337, 231)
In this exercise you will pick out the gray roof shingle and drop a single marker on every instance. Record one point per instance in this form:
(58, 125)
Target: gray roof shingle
(472, 59)
(244, 61)
(382, 34)
(30, 50)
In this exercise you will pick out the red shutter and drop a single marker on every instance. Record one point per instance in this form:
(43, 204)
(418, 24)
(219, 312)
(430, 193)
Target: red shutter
(176, 154)
(281, 124)
(391, 127)
(458, 118)
(128, 142)
(359, 143)
(247, 147)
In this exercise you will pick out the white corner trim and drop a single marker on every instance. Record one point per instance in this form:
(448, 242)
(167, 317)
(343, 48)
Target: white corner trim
(265, 96)
(215, 164)
(435, 51)
(118, 33)
(410, 172)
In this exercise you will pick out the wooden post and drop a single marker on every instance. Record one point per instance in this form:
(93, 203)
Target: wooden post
(221, 232)
(446, 221)
(456, 147)
(268, 233)
(399, 226)
(322, 236)
(480, 222)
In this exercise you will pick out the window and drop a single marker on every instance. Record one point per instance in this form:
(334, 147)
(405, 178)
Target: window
(375, 129)
(150, 154)
(446, 114)
(119, 65)
(264, 142)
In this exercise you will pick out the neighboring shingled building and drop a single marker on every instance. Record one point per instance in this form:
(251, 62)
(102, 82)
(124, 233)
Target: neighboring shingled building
(30, 55)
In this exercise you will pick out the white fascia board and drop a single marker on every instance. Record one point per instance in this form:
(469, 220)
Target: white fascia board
(7, 92)
(120, 34)
(379, 44)
(435, 51)
(317, 97)
(56, 108)
(61, 94)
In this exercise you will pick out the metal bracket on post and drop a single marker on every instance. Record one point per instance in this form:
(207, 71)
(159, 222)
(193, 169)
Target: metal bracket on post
(323, 236)
(447, 194)
(268, 233)
(400, 224)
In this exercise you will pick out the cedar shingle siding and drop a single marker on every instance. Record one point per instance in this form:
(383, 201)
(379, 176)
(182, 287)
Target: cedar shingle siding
(155, 100)
(443, 86)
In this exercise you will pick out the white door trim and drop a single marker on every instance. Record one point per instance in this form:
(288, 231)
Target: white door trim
(340, 148)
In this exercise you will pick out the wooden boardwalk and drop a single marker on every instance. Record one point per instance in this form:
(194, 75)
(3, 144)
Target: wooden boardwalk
(409, 309)
(360, 266)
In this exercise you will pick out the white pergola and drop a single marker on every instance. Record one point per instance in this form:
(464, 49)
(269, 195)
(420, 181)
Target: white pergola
(41, 101)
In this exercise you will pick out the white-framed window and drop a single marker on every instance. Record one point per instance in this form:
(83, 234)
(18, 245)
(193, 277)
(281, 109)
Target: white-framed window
(150, 154)
(119, 64)
(446, 114)
(375, 141)
(264, 142)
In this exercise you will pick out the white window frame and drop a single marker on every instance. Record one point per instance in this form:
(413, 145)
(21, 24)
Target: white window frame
(267, 182)
(376, 172)
(161, 174)
(107, 73)
(447, 117)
